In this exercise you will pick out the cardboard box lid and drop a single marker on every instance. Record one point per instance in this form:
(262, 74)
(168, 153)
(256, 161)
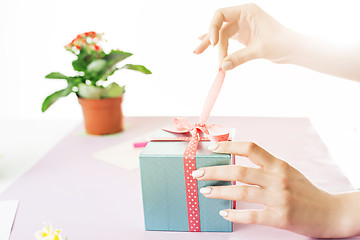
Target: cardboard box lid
(176, 148)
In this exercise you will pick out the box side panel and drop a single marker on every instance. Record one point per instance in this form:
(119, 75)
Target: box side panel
(210, 220)
(163, 190)
(163, 187)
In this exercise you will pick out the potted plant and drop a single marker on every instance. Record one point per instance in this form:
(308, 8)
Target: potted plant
(100, 102)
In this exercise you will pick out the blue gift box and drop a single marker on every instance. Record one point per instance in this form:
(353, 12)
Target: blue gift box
(163, 186)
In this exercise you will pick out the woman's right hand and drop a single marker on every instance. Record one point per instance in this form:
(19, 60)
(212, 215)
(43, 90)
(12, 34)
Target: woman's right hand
(262, 35)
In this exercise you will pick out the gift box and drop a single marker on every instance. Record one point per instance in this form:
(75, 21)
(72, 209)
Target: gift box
(171, 196)
(163, 180)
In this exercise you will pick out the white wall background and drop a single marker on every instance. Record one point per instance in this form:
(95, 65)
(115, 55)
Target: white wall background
(162, 35)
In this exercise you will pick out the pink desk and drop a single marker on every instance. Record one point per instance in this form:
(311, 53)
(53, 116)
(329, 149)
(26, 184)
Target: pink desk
(93, 200)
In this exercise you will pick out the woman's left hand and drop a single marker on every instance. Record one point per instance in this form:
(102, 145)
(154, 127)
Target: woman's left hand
(291, 201)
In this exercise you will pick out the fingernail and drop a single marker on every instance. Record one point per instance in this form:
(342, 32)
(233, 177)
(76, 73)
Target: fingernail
(213, 146)
(205, 190)
(198, 173)
(211, 41)
(223, 213)
(195, 52)
(227, 66)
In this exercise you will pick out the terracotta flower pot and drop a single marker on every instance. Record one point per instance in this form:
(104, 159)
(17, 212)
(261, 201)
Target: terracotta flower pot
(102, 116)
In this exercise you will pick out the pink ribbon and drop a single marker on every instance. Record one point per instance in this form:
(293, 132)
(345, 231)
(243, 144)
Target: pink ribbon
(213, 132)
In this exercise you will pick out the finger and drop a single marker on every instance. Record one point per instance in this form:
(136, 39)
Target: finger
(237, 37)
(252, 216)
(251, 150)
(222, 15)
(233, 173)
(239, 57)
(202, 36)
(225, 33)
(205, 43)
(238, 193)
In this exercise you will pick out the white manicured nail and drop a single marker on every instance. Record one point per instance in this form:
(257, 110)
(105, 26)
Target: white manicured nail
(227, 66)
(223, 213)
(213, 146)
(205, 190)
(211, 41)
(198, 173)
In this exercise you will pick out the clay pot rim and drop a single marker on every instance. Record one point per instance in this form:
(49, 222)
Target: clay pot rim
(100, 103)
(99, 99)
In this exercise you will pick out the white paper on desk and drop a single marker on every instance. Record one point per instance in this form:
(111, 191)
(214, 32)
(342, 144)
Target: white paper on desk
(7, 216)
(124, 154)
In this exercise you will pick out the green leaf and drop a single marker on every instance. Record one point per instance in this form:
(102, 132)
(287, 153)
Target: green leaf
(112, 59)
(139, 68)
(79, 65)
(96, 66)
(90, 91)
(113, 90)
(56, 75)
(113, 71)
(83, 60)
(70, 80)
(75, 80)
(96, 69)
(54, 97)
(108, 72)
(116, 56)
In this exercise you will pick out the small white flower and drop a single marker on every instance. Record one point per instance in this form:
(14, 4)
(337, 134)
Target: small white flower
(48, 233)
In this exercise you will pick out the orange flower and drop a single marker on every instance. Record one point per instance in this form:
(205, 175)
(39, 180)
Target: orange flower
(92, 34)
(81, 40)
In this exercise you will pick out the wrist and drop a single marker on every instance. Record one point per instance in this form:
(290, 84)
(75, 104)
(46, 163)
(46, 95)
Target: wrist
(296, 47)
(287, 47)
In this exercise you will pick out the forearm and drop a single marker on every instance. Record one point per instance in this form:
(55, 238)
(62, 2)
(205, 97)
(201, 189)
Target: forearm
(349, 205)
(341, 61)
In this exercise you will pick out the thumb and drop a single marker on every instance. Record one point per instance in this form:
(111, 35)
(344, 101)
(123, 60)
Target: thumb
(239, 57)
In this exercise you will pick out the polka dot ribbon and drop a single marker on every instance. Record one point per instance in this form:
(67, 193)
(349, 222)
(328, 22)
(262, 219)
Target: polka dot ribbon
(191, 183)
(213, 132)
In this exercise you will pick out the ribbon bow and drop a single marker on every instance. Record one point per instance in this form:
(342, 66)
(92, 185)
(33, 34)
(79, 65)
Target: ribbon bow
(213, 132)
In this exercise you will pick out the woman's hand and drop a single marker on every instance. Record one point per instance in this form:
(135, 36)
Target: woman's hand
(262, 35)
(266, 38)
(291, 201)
